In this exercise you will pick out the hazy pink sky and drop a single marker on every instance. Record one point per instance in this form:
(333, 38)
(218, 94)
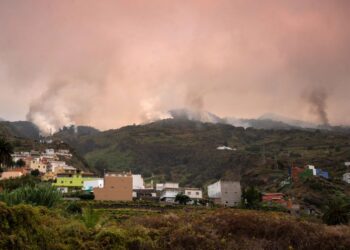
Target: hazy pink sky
(112, 63)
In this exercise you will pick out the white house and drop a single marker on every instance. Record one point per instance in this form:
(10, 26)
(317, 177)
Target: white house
(161, 186)
(56, 164)
(347, 163)
(194, 193)
(346, 177)
(226, 148)
(311, 167)
(227, 193)
(137, 182)
(49, 151)
(91, 184)
(169, 194)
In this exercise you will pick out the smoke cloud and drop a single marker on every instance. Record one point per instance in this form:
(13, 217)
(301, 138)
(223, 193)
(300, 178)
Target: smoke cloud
(318, 99)
(113, 63)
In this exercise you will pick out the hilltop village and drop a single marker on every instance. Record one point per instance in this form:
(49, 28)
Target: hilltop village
(51, 166)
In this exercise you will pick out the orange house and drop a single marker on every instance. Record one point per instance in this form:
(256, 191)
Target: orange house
(275, 198)
(117, 187)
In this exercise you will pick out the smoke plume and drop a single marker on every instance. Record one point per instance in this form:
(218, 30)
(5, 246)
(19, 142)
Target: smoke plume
(318, 105)
(112, 63)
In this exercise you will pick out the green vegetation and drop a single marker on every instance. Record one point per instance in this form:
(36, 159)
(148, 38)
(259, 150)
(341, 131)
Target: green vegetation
(39, 195)
(337, 212)
(182, 199)
(26, 180)
(251, 198)
(27, 227)
(186, 152)
(6, 150)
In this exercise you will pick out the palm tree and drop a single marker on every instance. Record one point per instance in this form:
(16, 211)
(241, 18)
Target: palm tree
(336, 212)
(6, 150)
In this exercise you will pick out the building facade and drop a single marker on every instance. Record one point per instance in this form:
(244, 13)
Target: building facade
(89, 185)
(227, 193)
(117, 187)
(137, 182)
(67, 183)
(194, 193)
(346, 177)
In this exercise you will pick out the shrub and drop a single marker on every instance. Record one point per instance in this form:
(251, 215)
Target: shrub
(90, 217)
(74, 208)
(12, 184)
(336, 212)
(182, 199)
(39, 195)
(112, 238)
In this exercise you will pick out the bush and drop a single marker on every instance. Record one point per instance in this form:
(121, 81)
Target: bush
(90, 217)
(111, 239)
(74, 208)
(336, 212)
(39, 195)
(12, 184)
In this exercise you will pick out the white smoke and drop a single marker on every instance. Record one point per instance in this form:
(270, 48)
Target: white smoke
(61, 105)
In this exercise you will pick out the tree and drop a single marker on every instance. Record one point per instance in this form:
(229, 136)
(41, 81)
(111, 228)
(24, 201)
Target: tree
(182, 198)
(20, 163)
(35, 172)
(6, 150)
(336, 212)
(251, 197)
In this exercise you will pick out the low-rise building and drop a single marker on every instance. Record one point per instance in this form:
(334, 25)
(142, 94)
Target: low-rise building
(13, 173)
(144, 194)
(161, 186)
(89, 185)
(137, 182)
(39, 164)
(194, 193)
(67, 183)
(346, 177)
(322, 173)
(227, 193)
(278, 198)
(169, 194)
(117, 187)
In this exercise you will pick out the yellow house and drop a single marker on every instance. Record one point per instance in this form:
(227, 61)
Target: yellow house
(39, 165)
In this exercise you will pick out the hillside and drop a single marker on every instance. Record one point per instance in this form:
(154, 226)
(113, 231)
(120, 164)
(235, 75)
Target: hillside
(186, 151)
(24, 136)
(23, 129)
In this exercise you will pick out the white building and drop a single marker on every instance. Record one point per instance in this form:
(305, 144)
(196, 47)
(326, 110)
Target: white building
(311, 167)
(346, 177)
(161, 186)
(194, 193)
(91, 184)
(227, 193)
(347, 163)
(226, 148)
(137, 182)
(169, 194)
(56, 164)
(49, 151)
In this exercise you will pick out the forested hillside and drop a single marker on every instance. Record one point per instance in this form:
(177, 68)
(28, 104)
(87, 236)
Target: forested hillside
(187, 151)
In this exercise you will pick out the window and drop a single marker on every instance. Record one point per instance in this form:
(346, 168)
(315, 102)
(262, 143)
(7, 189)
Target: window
(62, 182)
(189, 193)
(71, 182)
(197, 193)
